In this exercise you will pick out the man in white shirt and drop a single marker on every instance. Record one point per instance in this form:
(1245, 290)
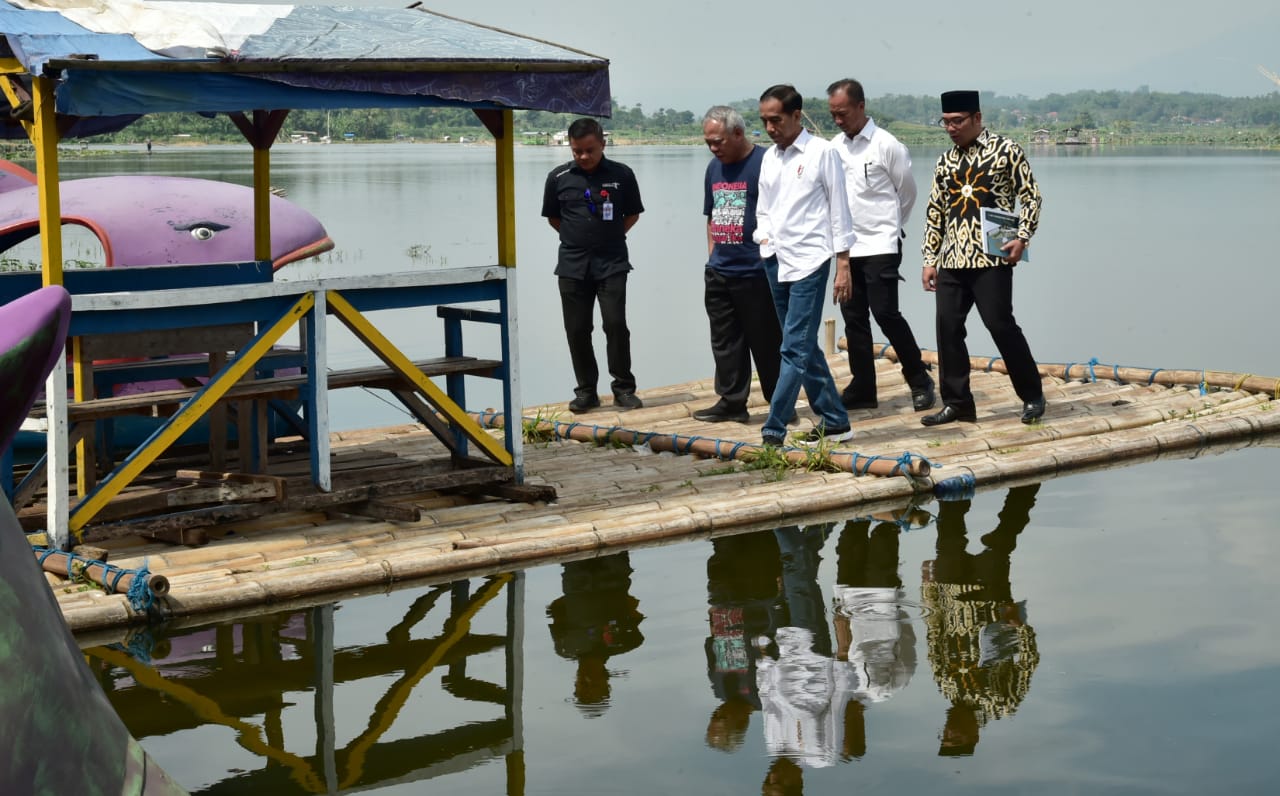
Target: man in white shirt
(881, 194)
(802, 218)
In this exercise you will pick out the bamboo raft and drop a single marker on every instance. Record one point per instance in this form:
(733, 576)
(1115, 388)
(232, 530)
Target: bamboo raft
(618, 482)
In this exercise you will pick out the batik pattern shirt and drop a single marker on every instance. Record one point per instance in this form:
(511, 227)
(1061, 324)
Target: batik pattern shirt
(991, 172)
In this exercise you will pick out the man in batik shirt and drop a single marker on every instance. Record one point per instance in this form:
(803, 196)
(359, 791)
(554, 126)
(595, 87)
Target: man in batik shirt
(982, 170)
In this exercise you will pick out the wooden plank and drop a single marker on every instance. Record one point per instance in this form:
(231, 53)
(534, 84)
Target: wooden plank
(212, 477)
(382, 510)
(282, 387)
(525, 493)
(135, 502)
(213, 515)
(198, 339)
(189, 537)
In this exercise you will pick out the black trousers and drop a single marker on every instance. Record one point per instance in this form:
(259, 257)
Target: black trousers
(875, 294)
(744, 326)
(578, 298)
(991, 289)
(989, 568)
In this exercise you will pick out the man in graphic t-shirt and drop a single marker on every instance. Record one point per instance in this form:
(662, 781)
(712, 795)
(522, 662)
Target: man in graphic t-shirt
(744, 325)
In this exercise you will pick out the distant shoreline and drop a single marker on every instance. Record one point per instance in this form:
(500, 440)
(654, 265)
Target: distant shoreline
(22, 151)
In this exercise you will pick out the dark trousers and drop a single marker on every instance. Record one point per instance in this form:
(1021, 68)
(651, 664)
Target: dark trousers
(991, 289)
(866, 557)
(744, 326)
(875, 294)
(577, 300)
(990, 568)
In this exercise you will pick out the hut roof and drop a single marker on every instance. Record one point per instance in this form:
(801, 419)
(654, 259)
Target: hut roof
(115, 58)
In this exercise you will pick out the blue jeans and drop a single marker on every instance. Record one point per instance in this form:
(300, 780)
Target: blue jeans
(799, 306)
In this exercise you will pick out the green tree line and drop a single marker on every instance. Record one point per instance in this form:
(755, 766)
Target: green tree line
(1125, 116)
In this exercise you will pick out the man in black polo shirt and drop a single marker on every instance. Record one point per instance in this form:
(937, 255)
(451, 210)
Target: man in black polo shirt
(593, 202)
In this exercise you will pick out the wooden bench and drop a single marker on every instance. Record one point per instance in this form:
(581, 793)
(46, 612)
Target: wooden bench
(253, 396)
(161, 402)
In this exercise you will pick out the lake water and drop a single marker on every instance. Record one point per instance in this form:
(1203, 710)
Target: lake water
(1104, 632)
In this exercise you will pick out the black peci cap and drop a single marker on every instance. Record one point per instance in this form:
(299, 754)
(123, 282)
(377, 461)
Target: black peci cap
(960, 102)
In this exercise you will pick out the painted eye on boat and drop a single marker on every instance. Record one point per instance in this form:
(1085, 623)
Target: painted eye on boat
(201, 230)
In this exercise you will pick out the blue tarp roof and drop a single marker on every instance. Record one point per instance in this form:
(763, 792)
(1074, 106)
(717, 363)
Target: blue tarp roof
(129, 57)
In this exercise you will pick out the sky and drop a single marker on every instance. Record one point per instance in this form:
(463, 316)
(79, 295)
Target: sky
(689, 55)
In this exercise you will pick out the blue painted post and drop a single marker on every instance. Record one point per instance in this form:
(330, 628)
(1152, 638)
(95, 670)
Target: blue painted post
(454, 384)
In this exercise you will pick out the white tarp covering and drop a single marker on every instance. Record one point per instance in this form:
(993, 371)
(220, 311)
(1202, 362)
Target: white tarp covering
(178, 30)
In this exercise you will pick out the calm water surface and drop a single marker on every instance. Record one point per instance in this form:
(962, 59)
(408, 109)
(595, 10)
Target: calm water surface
(1105, 632)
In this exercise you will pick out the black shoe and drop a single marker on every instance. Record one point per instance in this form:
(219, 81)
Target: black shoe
(948, 414)
(772, 440)
(925, 397)
(1033, 410)
(818, 435)
(851, 401)
(722, 412)
(584, 403)
(627, 400)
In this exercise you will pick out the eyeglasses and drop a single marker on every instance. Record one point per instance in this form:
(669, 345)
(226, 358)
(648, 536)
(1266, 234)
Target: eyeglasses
(950, 124)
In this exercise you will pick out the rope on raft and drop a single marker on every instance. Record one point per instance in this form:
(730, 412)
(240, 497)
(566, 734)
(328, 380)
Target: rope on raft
(957, 487)
(140, 595)
(1206, 380)
(908, 464)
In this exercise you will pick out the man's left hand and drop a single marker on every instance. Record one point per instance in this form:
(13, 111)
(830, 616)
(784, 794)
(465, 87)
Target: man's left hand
(842, 291)
(1013, 250)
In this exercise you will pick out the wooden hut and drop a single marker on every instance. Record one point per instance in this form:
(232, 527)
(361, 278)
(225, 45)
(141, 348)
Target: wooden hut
(82, 71)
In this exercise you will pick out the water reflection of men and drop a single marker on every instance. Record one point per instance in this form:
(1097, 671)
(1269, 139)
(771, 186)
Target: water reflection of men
(875, 643)
(742, 586)
(982, 650)
(595, 619)
(796, 676)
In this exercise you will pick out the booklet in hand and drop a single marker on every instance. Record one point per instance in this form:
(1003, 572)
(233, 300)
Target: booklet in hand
(998, 228)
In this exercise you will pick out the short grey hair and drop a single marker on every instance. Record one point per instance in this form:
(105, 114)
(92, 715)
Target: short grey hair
(728, 117)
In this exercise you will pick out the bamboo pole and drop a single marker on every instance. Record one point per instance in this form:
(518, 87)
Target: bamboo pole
(1122, 374)
(847, 461)
(59, 563)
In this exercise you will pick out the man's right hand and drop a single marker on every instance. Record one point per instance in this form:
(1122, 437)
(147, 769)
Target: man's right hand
(929, 278)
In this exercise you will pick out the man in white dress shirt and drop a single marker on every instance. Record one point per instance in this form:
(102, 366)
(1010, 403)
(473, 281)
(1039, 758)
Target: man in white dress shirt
(881, 194)
(802, 218)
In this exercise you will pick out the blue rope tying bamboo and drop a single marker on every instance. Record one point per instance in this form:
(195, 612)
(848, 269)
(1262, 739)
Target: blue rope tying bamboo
(959, 487)
(1152, 380)
(991, 363)
(684, 445)
(140, 596)
(1203, 387)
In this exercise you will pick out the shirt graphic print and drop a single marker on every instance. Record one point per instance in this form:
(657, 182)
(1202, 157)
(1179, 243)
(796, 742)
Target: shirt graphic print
(728, 212)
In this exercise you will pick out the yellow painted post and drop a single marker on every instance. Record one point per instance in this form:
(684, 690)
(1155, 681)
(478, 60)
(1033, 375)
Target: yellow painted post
(396, 360)
(506, 191)
(80, 380)
(186, 417)
(43, 131)
(44, 137)
(261, 203)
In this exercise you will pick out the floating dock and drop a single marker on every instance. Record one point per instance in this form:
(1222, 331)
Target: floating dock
(621, 479)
